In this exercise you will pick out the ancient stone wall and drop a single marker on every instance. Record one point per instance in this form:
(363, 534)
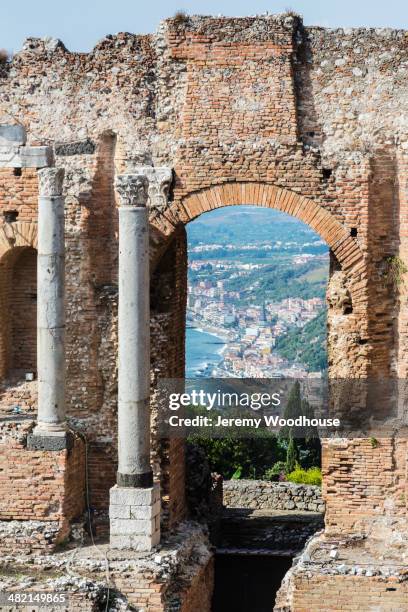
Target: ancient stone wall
(385, 594)
(261, 495)
(245, 111)
(180, 577)
(331, 575)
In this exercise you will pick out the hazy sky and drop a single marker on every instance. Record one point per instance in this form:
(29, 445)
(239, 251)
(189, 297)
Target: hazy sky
(81, 23)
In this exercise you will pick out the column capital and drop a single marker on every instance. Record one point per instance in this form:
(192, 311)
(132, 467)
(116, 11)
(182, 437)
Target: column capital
(132, 189)
(50, 182)
(160, 178)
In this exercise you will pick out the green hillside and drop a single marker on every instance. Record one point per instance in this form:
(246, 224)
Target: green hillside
(306, 345)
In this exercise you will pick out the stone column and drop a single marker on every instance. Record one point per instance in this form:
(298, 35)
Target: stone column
(135, 500)
(51, 430)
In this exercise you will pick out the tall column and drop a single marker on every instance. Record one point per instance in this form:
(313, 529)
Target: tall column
(135, 500)
(51, 430)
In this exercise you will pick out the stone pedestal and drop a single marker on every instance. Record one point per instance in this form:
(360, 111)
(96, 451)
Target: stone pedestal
(135, 517)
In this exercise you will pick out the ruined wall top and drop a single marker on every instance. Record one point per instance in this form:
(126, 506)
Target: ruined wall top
(216, 99)
(135, 85)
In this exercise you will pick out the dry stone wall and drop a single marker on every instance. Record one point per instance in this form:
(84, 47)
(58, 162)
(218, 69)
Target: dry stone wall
(262, 495)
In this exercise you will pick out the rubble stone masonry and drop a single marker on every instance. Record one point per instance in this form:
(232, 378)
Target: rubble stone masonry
(261, 494)
(258, 110)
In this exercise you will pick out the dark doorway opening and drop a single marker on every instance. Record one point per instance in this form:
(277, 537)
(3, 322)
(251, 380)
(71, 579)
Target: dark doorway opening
(246, 583)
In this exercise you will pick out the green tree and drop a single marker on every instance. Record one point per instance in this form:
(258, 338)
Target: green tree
(310, 448)
(305, 440)
(292, 456)
(292, 410)
(238, 457)
(293, 407)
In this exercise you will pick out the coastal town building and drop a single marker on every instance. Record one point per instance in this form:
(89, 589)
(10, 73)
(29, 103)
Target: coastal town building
(249, 332)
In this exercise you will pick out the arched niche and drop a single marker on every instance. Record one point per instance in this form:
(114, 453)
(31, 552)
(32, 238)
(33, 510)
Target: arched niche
(18, 300)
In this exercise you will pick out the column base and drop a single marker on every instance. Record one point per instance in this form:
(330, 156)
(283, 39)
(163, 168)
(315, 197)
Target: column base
(134, 515)
(50, 440)
(135, 481)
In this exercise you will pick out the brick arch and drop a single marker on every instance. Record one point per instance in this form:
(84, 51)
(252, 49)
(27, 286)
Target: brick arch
(322, 221)
(346, 249)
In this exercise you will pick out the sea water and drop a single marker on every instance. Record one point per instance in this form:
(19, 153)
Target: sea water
(203, 352)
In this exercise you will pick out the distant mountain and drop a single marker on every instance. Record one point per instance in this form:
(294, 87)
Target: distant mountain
(249, 225)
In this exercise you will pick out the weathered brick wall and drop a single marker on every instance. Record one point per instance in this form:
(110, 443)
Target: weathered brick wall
(198, 596)
(18, 311)
(19, 191)
(364, 480)
(351, 593)
(43, 486)
(23, 301)
(168, 305)
(6, 353)
(167, 350)
(247, 111)
(18, 306)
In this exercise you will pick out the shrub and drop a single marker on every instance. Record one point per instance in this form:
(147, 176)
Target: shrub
(291, 13)
(180, 18)
(312, 476)
(275, 471)
(237, 474)
(395, 271)
(374, 442)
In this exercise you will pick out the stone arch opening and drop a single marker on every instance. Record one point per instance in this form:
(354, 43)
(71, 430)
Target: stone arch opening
(257, 279)
(347, 357)
(18, 312)
(347, 257)
(319, 218)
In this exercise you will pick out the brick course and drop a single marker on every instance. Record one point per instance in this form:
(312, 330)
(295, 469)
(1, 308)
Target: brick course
(40, 485)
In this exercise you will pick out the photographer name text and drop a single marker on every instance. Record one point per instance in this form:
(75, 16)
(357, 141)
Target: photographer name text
(253, 422)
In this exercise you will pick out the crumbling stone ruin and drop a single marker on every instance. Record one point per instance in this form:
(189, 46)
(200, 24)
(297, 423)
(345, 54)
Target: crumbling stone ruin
(207, 112)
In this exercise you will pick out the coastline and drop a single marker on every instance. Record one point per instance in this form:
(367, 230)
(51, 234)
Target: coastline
(212, 354)
(218, 333)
